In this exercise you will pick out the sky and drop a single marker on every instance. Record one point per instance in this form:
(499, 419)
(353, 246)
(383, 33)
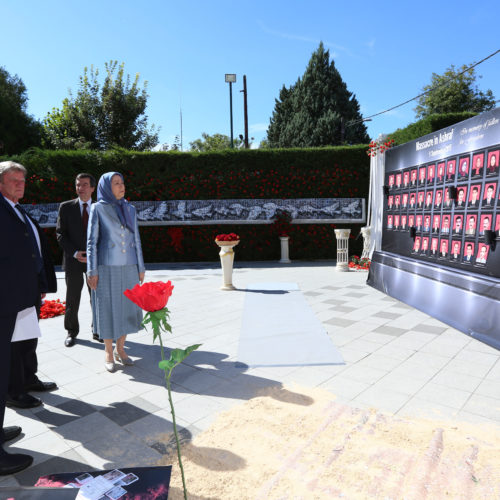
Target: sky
(385, 52)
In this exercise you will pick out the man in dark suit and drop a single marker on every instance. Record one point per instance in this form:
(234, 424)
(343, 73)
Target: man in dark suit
(71, 234)
(23, 278)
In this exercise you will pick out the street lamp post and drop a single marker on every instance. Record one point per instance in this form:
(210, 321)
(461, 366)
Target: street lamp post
(231, 78)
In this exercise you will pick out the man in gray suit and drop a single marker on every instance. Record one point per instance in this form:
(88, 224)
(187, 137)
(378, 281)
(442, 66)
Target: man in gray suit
(71, 234)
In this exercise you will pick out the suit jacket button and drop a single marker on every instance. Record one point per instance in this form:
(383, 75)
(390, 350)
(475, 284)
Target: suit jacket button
(123, 251)
(121, 227)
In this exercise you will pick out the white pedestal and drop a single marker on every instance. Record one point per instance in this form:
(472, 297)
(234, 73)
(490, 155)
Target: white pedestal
(366, 233)
(342, 236)
(284, 250)
(226, 255)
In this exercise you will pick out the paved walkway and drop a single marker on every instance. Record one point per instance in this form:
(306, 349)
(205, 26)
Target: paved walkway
(397, 359)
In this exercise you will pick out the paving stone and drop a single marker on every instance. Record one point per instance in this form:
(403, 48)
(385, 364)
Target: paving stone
(390, 330)
(386, 315)
(343, 322)
(123, 413)
(335, 302)
(429, 328)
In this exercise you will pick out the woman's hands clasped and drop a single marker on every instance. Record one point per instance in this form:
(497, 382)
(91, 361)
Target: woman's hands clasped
(92, 281)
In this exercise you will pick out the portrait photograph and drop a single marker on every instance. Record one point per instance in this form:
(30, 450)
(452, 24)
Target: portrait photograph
(482, 254)
(450, 170)
(461, 200)
(396, 222)
(497, 225)
(416, 245)
(413, 201)
(436, 220)
(463, 168)
(397, 201)
(398, 181)
(474, 196)
(403, 223)
(448, 202)
(489, 195)
(455, 250)
(438, 199)
(492, 162)
(418, 222)
(421, 175)
(431, 173)
(443, 249)
(458, 224)
(411, 221)
(440, 172)
(470, 226)
(420, 198)
(413, 177)
(390, 202)
(445, 224)
(427, 223)
(425, 246)
(477, 165)
(389, 222)
(484, 224)
(406, 178)
(391, 181)
(468, 254)
(428, 199)
(404, 200)
(433, 252)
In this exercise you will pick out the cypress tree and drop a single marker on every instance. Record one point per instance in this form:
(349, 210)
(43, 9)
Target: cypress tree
(318, 110)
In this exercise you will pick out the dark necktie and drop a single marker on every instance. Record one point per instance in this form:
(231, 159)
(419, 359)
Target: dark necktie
(34, 245)
(85, 216)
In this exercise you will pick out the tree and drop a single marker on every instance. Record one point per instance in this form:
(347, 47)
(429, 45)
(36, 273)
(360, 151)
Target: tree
(453, 92)
(102, 117)
(318, 110)
(18, 130)
(214, 142)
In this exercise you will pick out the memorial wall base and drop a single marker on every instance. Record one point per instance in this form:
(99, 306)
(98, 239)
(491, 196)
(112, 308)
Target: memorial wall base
(468, 303)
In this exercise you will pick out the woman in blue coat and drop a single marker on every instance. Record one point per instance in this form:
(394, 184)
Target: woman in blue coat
(114, 263)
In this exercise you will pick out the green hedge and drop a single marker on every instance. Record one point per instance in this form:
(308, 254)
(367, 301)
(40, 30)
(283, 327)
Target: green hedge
(428, 125)
(287, 173)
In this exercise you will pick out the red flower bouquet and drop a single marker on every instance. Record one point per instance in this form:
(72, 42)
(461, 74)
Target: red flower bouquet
(358, 264)
(51, 308)
(227, 237)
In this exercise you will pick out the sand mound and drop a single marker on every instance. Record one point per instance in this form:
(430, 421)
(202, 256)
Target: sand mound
(298, 443)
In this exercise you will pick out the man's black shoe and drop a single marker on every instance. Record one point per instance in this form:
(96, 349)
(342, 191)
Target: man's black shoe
(11, 432)
(95, 336)
(23, 401)
(40, 386)
(69, 341)
(10, 463)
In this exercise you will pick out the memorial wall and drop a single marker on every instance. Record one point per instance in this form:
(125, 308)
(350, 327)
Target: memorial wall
(441, 223)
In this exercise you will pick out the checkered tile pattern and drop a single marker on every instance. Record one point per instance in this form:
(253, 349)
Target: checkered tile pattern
(398, 359)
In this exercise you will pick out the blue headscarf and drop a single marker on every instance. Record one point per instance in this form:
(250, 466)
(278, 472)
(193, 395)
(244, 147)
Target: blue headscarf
(104, 193)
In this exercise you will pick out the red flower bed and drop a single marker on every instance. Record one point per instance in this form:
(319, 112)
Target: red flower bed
(51, 308)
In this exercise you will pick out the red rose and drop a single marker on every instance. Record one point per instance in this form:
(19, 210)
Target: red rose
(151, 296)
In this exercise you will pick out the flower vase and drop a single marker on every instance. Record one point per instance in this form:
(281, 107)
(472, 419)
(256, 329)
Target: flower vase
(342, 249)
(226, 255)
(285, 259)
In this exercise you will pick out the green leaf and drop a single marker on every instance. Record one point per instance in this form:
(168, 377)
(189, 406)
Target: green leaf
(165, 364)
